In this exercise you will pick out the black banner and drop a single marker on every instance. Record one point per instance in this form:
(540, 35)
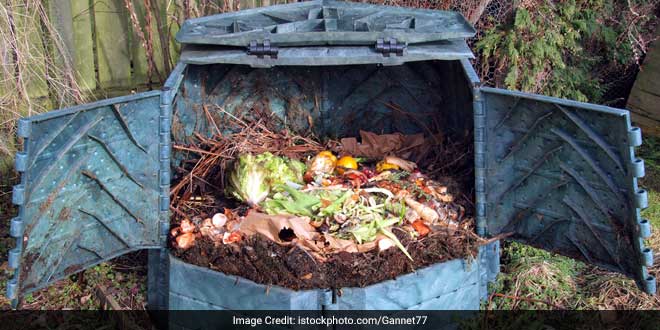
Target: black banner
(349, 320)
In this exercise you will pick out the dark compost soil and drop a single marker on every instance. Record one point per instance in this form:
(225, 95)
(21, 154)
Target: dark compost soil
(263, 261)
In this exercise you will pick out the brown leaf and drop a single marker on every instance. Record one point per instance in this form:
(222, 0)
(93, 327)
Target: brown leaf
(337, 244)
(401, 163)
(346, 245)
(378, 146)
(270, 226)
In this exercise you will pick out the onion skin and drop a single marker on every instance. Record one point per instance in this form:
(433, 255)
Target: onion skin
(185, 241)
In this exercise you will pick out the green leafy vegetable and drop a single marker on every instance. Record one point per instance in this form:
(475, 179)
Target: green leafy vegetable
(398, 208)
(254, 177)
(335, 206)
(247, 182)
(281, 170)
(368, 232)
(303, 199)
(296, 203)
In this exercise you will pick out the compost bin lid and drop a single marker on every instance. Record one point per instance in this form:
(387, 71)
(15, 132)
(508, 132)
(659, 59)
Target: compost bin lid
(326, 55)
(325, 23)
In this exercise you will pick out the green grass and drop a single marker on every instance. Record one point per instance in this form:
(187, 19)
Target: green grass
(534, 279)
(124, 281)
(653, 211)
(650, 152)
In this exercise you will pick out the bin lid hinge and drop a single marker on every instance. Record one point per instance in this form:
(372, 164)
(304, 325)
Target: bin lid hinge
(263, 48)
(389, 46)
(328, 299)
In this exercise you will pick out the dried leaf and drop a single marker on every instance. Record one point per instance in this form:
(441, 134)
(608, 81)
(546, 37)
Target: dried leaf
(376, 146)
(337, 245)
(270, 226)
(403, 164)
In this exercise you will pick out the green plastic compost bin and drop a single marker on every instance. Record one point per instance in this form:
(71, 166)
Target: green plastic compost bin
(555, 174)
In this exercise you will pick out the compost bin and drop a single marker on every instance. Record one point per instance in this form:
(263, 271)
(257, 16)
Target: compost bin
(555, 174)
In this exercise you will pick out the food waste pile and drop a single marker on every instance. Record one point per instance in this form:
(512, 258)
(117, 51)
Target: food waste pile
(346, 216)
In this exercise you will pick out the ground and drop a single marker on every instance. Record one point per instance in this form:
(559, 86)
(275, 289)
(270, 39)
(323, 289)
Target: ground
(530, 278)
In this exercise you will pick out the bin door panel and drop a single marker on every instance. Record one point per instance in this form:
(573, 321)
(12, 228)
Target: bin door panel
(89, 189)
(562, 176)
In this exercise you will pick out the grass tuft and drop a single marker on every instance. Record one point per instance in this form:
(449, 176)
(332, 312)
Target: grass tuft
(534, 279)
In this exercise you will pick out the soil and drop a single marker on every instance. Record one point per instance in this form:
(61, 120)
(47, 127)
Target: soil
(263, 261)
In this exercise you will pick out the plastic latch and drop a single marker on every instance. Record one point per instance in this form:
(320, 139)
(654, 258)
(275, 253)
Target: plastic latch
(18, 194)
(644, 228)
(641, 199)
(467, 264)
(648, 257)
(327, 299)
(16, 227)
(387, 46)
(635, 137)
(12, 285)
(261, 49)
(164, 230)
(20, 163)
(164, 203)
(23, 128)
(637, 168)
(651, 286)
(14, 258)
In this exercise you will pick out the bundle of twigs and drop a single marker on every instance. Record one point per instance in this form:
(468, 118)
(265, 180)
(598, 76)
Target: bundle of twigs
(216, 153)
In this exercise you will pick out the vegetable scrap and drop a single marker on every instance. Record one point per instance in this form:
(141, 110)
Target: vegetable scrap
(322, 200)
(253, 177)
(331, 204)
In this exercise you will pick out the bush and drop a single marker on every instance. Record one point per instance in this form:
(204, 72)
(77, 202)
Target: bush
(562, 48)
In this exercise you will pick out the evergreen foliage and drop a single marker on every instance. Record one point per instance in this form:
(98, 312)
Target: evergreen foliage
(557, 48)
